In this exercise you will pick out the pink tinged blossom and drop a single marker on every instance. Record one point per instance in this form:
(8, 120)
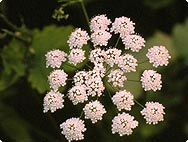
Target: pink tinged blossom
(99, 70)
(117, 78)
(78, 38)
(158, 56)
(153, 112)
(53, 101)
(55, 58)
(111, 56)
(73, 129)
(80, 77)
(76, 56)
(100, 22)
(100, 38)
(94, 111)
(77, 94)
(95, 86)
(97, 56)
(123, 124)
(57, 78)
(123, 25)
(123, 100)
(151, 80)
(134, 42)
(127, 63)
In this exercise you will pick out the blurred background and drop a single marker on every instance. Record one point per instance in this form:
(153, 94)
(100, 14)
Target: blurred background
(28, 31)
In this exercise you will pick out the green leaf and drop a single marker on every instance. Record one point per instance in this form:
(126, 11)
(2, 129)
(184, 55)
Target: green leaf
(13, 63)
(13, 125)
(180, 36)
(51, 37)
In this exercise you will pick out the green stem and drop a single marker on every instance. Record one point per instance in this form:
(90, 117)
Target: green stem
(89, 66)
(117, 42)
(139, 103)
(70, 65)
(81, 114)
(111, 99)
(85, 13)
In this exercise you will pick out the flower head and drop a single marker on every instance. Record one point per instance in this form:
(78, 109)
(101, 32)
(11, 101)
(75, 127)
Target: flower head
(57, 78)
(76, 56)
(95, 86)
(97, 56)
(123, 25)
(123, 124)
(133, 42)
(117, 78)
(53, 101)
(80, 78)
(100, 38)
(94, 111)
(77, 94)
(153, 112)
(55, 58)
(127, 63)
(78, 38)
(112, 55)
(123, 100)
(100, 22)
(158, 55)
(151, 80)
(73, 129)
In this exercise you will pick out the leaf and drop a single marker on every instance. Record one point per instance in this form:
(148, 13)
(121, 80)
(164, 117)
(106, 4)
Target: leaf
(180, 36)
(51, 37)
(13, 63)
(13, 125)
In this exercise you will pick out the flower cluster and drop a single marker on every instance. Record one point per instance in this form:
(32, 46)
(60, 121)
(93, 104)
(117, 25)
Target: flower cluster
(104, 68)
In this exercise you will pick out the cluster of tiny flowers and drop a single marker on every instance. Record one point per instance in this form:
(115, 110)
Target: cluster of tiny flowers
(73, 129)
(55, 58)
(117, 78)
(123, 100)
(153, 112)
(123, 124)
(158, 55)
(94, 111)
(104, 66)
(151, 80)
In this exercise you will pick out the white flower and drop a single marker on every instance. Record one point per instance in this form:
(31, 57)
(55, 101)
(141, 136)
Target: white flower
(123, 100)
(111, 56)
(55, 58)
(117, 78)
(158, 55)
(123, 25)
(100, 38)
(53, 101)
(78, 38)
(123, 124)
(77, 94)
(133, 42)
(94, 111)
(76, 56)
(80, 78)
(100, 22)
(94, 86)
(97, 56)
(98, 71)
(73, 129)
(151, 80)
(57, 78)
(127, 63)
(153, 112)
